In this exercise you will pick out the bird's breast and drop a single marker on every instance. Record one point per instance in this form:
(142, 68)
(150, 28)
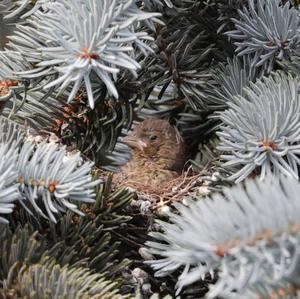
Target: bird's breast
(147, 173)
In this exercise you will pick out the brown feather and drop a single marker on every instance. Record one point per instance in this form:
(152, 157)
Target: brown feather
(158, 154)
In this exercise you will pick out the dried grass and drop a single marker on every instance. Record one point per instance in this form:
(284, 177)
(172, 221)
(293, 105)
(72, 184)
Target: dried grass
(170, 192)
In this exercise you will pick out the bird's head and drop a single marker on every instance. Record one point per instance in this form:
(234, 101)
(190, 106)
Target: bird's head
(156, 139)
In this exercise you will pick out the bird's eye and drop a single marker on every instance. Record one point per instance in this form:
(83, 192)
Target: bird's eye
(153, 137)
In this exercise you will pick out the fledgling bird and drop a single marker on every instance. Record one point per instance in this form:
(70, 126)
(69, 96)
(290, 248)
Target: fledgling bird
(157, 154)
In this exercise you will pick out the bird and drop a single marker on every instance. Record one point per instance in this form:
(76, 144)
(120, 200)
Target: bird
(157, 154)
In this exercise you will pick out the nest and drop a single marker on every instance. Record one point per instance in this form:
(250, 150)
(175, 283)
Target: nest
(188, 184)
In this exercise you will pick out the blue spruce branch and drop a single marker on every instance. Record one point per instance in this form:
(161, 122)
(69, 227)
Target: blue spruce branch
(249, 235)
(267, 28)
(261, 130)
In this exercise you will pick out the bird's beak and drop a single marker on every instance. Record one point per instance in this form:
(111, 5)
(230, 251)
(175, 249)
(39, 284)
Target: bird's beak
(134, 142)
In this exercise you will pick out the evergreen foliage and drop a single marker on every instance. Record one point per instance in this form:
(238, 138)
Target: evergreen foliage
(9, 191)
(268, 29)
(261, 129)
(76, 76)
(230, 80)
(48, 279)
(253, 243)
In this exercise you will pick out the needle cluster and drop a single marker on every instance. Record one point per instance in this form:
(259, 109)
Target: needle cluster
(267, 28)
(249, 235)
(261, 129)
